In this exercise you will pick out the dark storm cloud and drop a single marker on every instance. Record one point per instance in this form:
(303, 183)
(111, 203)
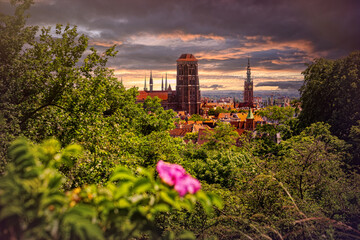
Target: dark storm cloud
(276, 35)
(288, 85)
(329, 24)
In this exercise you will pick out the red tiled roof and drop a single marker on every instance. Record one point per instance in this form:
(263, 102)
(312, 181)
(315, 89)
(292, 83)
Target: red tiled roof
(163, 95)
(186, 57)
(179, 132)
(224, 115)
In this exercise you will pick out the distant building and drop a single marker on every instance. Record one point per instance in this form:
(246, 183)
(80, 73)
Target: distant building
(248, 90)
(187, 95)
(248, 87)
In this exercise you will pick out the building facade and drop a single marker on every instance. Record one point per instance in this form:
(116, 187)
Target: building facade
(187, 84)
(187, 95)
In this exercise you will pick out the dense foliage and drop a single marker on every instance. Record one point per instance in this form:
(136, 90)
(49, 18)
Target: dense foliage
(331, 94)
(98, 179)
(32, 205)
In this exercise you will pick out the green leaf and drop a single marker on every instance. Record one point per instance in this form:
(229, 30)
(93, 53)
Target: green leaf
(216, 200)
(161, 207)
(83, 210)
(122, 173)
(81, 228)
(122, 190)
(11, 210)
(142, 185)
(168, 198)
(55, 182)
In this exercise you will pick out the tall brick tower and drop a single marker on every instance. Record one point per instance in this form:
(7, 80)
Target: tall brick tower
(248, 87)
(187, 84)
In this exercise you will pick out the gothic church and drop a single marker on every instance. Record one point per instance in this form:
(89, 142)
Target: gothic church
(186, 97)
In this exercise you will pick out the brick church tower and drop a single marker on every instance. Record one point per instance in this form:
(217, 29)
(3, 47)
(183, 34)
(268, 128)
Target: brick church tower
(187, 84)
(248, 87)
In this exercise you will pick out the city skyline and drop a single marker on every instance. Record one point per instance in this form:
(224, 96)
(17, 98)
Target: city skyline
(278, 36)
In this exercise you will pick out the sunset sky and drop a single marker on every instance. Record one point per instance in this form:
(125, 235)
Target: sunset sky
(279, 36)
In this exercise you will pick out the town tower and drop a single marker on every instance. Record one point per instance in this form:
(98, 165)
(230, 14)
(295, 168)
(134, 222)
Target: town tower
(248, 87)
(187, 84)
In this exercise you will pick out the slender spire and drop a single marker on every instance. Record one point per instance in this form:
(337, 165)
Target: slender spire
(166, 82)
(248, 72)
(151, 82)
(145, 88)
(162, 83)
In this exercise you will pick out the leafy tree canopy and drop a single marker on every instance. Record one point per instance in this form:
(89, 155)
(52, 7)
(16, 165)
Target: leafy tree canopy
(331, 94)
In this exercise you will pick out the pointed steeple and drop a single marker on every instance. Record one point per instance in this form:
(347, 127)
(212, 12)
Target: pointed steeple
(151, 82)
(166, 81)
(145, 88)
(162, 83)
(169, 88)
(250, 114)
(248, 72)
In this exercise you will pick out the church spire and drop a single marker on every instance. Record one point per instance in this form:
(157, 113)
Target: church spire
(151, 81)
(248, 72)
(248, 87)
(145, 88)
(166, 82)
(162, 83)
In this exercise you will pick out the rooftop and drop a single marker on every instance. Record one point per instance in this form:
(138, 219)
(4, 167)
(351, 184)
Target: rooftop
(187, 57)
(163, 95)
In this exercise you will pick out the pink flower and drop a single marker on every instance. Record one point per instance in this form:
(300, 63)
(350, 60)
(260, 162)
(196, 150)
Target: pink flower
(169, 173)
(175, 175)
(187, 184)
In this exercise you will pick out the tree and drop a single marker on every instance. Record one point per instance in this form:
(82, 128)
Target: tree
(310, 156)
(154, 117)
(217, 111)
(276, 114)
(280, 121)
(13, 35)
(197, 117)
(221, 137)
(330, 94)
(52, 89)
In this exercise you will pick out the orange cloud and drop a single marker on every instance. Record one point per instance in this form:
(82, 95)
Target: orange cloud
(106, 43)
(251, 46)
(189, 37)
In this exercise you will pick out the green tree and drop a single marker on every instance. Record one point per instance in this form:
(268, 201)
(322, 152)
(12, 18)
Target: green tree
(330, 94)
(197, 117)
(155, 117)
(221, 137)
(13, 35)
(280, 120)
(193, 136)
(276, 114)
(217, 111)
(52, 89)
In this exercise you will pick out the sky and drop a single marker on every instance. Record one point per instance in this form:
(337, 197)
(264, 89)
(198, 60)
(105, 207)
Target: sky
(279, 36)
